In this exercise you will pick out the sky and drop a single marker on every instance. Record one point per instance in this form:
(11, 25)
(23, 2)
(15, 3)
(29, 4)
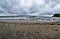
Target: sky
(29, 7)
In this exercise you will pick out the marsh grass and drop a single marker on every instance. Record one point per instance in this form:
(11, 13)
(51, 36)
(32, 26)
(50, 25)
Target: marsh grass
(27, 31)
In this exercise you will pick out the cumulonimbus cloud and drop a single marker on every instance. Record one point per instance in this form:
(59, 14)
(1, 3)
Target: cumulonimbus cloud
(29, 7)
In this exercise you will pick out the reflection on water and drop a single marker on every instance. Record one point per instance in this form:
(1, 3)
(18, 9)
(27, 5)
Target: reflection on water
(39, 18)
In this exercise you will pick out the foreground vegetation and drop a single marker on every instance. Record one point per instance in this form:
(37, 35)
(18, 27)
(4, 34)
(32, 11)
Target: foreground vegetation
(10, 30)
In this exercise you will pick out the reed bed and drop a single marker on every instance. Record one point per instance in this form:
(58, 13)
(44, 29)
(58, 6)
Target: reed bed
(26, 30)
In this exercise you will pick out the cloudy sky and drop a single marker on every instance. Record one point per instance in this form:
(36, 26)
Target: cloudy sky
(29, 7)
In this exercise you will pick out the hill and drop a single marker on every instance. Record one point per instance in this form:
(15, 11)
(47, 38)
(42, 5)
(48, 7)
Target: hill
(56, 15)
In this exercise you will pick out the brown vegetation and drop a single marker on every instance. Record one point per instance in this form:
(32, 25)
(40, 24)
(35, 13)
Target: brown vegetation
(18, 30)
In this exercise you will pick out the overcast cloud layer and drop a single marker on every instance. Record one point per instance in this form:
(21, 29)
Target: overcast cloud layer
(29, 7)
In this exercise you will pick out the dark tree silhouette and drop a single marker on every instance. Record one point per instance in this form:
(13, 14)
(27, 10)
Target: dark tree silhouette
(56, 15)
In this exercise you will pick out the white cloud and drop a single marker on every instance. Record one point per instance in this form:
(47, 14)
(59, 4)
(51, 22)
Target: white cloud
(26, 3)
(57, 6)
(39, 2)
(32, 7)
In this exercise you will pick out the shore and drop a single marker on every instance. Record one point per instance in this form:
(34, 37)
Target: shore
(29, 30)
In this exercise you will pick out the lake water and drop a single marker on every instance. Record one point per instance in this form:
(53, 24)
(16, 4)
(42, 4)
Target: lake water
(43, 19)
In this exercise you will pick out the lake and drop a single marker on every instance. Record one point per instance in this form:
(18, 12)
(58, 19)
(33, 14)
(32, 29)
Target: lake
(39, 18)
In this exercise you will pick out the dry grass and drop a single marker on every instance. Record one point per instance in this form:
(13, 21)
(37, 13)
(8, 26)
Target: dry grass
(18, 30)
